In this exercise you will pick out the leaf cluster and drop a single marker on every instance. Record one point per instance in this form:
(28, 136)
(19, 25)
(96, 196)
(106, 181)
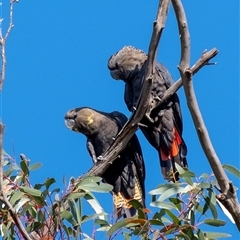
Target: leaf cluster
(183, 208)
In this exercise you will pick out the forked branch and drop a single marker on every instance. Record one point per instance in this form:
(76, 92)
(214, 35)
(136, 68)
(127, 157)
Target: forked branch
(230, 200)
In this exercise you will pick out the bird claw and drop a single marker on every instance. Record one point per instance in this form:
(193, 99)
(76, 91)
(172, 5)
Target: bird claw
(142, 125)
(157, 98)
(149, 118)
(100, 158)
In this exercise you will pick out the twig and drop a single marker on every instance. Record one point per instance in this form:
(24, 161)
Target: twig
(3, 43)
(3, 197)
(231, 201)
(203, 61)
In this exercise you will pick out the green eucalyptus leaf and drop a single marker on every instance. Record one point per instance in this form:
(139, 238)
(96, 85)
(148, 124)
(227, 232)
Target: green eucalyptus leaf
(175, 219)
(101, 222)
(89, 179)
(69, 217)
(35, 166)
(214, 222)
(164, 205)
(164, 187)
(126, 236)
(120, 224)
(31, 191)
(170, 192)
(204, 175)
(75, 195)
(204, 185)
(24, 167)
(49, 182)
(200, 235)
(96, 187)
(156, 222)
(217, 235)
(16, 196)
(21, 202)
(95, 205)
(177, 202)
(233, 170)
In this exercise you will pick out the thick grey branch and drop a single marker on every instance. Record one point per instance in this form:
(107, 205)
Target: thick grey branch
(231, 201)
(132, 125)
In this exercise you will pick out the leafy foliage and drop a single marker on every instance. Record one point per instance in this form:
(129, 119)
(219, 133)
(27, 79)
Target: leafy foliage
(183, 208)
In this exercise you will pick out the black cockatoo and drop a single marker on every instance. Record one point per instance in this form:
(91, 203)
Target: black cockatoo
(164, 128)
(127, 173)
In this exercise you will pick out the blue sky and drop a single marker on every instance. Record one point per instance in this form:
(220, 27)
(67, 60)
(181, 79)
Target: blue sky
(57, 57)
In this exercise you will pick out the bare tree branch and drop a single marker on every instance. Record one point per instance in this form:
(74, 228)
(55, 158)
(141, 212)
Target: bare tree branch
(132, 125)
(203, 61)
(230, 200)
(3, 43)
(3, 196)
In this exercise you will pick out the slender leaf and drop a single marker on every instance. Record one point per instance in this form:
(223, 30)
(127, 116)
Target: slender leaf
(204, 175)
(41, 216)
(135, 203)
(120, 224)
(75, 195)
(75, 213)
(49, 182)
(177, 202)
(233, 170)
(35, 166)
(31, 191)
(21, 202)
(24, 167)
(69, 217)
(164, 205)
(56, 190)
(101, 222)
(187, 179)
(34, 226)
(103, 229)
(217, 235)
(95, 205)
(180, 169)
(214, 222)
(16, 196)
(187, 232)
(200, 235)
(126, 236)
(89, 179)
(170, 192)
(173, 217)
(94, 187)
(192, 217)
(188, 174)
(92, 217)
(204, 185)
(164, 187)
(209, 205)
(156, 222)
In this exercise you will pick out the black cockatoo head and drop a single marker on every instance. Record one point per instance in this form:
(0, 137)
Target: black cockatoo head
(81, 120)
(125, 62)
